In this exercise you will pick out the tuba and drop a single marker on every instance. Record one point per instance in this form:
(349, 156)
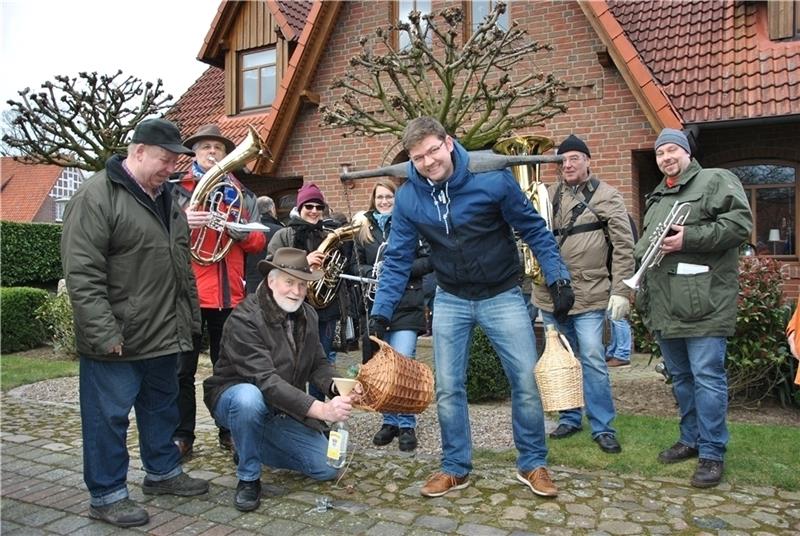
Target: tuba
(527, 176)
(322, 292)
(225, 201)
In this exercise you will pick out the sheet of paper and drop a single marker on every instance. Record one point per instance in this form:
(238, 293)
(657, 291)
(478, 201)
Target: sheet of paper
(252, 226)
(685, 268)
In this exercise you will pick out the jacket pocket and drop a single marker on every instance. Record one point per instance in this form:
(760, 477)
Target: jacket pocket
(130, 324)
(690, 296)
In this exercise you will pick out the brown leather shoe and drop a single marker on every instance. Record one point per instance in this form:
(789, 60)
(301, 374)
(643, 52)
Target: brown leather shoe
(539, 481)
(618, 363)
(440, 483)
(184, 447)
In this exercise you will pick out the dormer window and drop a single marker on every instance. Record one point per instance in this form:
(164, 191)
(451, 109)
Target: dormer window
(784, 20)
(257, 78)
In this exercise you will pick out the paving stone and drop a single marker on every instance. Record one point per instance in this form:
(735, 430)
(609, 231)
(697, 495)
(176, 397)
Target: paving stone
(442, 524)
(472, 529)
(620, 527)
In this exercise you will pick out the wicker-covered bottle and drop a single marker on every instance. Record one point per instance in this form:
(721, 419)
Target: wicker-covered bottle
(558, 374)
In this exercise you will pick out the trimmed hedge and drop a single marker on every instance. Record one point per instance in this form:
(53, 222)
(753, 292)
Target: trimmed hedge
(486, 379)
(20, 329)
(31, 253)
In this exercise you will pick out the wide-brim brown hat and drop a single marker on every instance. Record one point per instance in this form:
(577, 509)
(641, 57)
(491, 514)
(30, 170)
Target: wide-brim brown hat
(293, 262)
(211, 132)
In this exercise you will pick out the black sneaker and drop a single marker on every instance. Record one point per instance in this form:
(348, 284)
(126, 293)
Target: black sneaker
(677, 453)
(385, 435)
(407, 439)
(564, 430)
(248, 495)
(182, 485)
(124, 513)
(708, 473)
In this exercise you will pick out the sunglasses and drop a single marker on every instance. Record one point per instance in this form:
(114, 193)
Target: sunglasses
(313, 206)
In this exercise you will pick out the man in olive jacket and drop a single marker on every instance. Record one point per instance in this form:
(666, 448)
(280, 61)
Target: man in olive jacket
(590, 223)
(689, 300)
(125, 254)
(270, 350)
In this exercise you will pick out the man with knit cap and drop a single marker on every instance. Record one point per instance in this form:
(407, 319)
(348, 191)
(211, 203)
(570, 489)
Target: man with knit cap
(220, 284)
(688, 300)
(592, 229)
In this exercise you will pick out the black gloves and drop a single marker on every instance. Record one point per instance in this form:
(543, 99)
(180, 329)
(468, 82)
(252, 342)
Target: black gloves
(377, 328)
(563, 298)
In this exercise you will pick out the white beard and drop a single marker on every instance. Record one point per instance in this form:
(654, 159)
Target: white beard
(287, 305)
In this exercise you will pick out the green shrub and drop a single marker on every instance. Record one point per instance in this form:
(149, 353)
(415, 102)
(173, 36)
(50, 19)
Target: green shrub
(19, 328)
(31, 253)
(56, 315)
(485, 377)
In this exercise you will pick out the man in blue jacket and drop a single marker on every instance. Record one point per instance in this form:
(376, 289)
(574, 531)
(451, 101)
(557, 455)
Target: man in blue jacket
(467, 219)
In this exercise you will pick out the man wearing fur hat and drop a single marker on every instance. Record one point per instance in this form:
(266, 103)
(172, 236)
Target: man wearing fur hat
(270, 349)
(220, 284)
(305, 231)
(688, 301)
(591, 226)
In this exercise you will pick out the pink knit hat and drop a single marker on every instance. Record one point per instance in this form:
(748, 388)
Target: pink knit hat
(309, 192)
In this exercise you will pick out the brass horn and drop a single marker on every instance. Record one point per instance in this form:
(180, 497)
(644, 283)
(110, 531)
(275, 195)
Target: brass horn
(533, 189)
(225, 201)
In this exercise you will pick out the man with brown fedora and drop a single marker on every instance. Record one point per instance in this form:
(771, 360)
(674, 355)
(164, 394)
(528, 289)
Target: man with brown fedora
(220, 284)
(270, 350)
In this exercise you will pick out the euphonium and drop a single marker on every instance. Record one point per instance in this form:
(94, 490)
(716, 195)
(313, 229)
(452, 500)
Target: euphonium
(210, 195)
(322, 292)
(652, 257)
(533, 189)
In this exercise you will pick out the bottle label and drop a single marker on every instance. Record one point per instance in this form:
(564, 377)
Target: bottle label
(337, 444)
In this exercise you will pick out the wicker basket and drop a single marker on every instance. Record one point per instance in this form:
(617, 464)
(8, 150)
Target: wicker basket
(558, 374)
(394, 383)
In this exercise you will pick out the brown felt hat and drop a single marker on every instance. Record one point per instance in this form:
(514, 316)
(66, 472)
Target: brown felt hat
(293, 262)
(211, 132)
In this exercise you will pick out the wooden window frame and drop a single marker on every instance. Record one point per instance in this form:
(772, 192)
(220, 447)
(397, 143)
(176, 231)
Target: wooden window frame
(240, 70)
(394, 17)
(466, 6)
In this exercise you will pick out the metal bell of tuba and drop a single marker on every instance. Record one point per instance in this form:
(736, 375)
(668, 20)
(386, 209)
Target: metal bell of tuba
(528, 178)
(225, 201)
(322, 292)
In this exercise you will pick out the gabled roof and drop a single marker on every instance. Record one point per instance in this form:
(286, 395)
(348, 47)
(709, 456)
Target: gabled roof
(204, 101)
(291, 16)
(25, 188)
(713, 59)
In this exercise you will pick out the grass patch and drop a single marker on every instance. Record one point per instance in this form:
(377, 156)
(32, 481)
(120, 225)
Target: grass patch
(757, 454)
(16, 370)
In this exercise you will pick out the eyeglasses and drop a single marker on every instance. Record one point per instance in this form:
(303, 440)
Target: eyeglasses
(312, 206)
(384, 197)
(574, 159)
(430, 153)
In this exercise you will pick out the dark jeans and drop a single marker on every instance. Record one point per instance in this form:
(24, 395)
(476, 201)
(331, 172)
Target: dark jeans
(108, 391)
(213, 320)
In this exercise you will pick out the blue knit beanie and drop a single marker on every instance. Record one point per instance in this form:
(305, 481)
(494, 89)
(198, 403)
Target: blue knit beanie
(671, 135)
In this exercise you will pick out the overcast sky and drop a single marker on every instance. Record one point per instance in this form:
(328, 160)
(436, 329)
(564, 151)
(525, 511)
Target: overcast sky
(149, 39)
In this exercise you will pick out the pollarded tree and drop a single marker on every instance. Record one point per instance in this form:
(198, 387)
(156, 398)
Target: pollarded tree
(472, 89)
(80, 121)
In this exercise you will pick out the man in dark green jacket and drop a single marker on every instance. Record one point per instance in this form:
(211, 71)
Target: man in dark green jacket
(688, 300)
(125, 253)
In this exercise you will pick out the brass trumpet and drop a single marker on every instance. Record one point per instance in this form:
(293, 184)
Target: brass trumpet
(653, 256)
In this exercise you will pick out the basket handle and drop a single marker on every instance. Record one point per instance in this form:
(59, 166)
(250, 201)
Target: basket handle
(566, 344)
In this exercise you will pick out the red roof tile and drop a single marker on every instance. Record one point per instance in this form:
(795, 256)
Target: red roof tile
(291, 16)
(25, 188)
(713, 59)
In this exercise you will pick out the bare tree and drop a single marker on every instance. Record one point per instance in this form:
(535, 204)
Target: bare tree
(79, 121)
(470, 89)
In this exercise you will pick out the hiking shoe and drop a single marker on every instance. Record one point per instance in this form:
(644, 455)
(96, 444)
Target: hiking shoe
(248, 495)
(440, 483)
(677, 453)
(182, 485)
(564, 430)
(385, 435)
(608, 443)
(618, 363)
(539, 481)
(407, 439)
(124, 513)
(708, 473)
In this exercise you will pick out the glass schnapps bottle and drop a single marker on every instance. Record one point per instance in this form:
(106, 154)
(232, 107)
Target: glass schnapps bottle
(337, 445)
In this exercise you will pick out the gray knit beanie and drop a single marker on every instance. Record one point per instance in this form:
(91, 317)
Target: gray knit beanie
(671, 135)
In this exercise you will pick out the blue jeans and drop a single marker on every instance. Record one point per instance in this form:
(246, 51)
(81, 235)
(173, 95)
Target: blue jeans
(504, 318)
(620, 344)
(262, 435)
(700, 383)
(108, 391)
(405, 342)
(584, 331)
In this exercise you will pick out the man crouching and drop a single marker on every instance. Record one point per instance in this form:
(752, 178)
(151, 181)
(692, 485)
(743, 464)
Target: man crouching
(270, 349)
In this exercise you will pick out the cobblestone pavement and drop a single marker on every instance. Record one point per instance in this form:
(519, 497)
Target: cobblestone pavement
(42, 492)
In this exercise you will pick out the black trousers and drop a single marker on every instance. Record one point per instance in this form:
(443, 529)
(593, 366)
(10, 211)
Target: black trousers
(212, 320)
